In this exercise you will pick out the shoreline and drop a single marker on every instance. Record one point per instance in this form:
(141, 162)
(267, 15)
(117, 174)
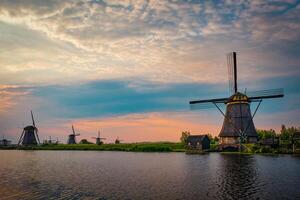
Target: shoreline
(163, 147)
(174, 151)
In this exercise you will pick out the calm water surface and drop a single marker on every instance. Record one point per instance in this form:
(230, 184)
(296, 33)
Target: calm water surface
(124, 175)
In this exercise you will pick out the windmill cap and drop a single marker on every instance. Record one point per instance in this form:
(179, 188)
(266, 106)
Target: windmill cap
(29, 128)
(238, 97)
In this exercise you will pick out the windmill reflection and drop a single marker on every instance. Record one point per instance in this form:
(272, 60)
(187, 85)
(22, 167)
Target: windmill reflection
(238, 178)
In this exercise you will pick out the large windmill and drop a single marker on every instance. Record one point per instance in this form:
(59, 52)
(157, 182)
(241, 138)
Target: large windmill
(98, 139)
(29, 135)
(238, 124)
(72, 137)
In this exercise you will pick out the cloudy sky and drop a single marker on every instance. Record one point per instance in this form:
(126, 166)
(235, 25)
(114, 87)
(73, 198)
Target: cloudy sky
(129, 68)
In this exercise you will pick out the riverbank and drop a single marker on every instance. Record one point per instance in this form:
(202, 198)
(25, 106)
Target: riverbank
(134, 147)
(248, 149)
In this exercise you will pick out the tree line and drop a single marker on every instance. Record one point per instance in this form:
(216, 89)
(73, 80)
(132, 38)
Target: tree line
(286, 134)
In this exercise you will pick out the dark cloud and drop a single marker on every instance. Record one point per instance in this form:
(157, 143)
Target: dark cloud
(104, 98)
(115, 97)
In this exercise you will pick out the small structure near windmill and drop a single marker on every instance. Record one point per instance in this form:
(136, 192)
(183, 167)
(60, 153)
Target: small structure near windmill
(238, 126)
(197, 143)
(272, 142)
(99, 139)
(72, 136)
(29, 135)
(118, 141)
(5, 142)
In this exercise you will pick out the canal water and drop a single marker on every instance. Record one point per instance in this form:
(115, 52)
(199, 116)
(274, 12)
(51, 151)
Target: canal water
(125, 175)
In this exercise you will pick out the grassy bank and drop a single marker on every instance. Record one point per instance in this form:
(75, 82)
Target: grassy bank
(150, 147)
(134, 147)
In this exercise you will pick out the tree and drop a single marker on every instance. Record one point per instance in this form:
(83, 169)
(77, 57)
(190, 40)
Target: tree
(85, 141)
(210, 137)
(216, 139)
(287, 133)
(184, 136)
(264, 134)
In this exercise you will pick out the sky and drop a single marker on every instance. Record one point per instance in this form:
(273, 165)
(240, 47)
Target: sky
(130, 68)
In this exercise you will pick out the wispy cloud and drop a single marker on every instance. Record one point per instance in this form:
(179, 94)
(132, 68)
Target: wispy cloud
(160, 41)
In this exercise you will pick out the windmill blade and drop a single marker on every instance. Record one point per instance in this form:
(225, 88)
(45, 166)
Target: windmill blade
(232, 72)
(37, 135)
(220, 100)
(102, 138)
(33, 123)
(76, 134)
(99, 134)
(202, 106)
(73, 130)
(21, 137)
(206, 104)
(93, 137)
(266, 94)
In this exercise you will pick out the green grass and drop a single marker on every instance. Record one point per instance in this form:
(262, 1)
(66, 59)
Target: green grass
(147, 147)
(135, 147)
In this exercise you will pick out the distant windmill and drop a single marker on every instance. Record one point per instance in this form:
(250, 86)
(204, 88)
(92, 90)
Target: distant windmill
(72, 137)
(118, 141)
(98, 139)
(50, 141)
(29, 135)
(4, 141)
(238, 126)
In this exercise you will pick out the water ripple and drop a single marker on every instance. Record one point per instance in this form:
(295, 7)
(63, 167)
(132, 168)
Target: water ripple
(120, 175)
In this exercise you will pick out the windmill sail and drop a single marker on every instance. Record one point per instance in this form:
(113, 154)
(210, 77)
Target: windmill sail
(37, 135)
(206, 103)
(33, 123)
(266, 94)
(232, 72)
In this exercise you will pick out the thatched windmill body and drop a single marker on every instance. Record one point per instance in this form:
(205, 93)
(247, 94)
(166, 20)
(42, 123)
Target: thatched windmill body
(29, 135)
(99, 139)
(238, 126)
(72, 137)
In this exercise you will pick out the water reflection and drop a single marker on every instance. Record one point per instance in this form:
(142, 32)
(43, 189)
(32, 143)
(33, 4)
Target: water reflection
(238, 178)
(121, 175)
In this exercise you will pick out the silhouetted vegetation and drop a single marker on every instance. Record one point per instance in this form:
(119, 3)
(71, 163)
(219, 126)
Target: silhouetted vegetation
(85, 141)
(184, 136)
(285, 133)
(284, 137)
(264, 134)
